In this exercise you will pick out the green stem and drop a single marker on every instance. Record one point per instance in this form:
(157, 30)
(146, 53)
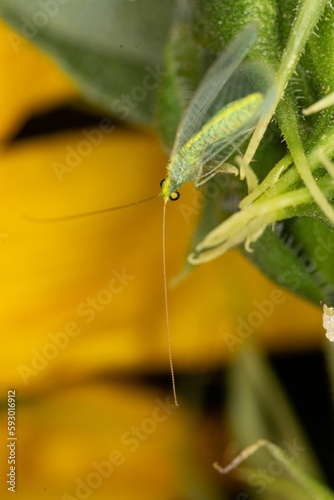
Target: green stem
(309, 12)
(275, 183)
(248, 224)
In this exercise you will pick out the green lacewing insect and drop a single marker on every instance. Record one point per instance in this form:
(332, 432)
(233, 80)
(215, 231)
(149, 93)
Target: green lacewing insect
(223, 112)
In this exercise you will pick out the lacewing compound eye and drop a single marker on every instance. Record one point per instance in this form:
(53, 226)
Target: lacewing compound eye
(328, 321)
(174, 196)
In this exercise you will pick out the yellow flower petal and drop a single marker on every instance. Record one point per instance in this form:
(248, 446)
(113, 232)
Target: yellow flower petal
(86, 296)
(30, 82)
(99, 441)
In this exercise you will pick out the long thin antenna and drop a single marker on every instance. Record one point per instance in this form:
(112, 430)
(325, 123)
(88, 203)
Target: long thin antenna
(166, 301)
(44, 220)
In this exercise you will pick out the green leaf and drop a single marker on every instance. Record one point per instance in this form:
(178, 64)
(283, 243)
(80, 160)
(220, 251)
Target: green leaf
(111, 48)
(269, 480)
(255, 414)
(298, 185)
(278, 253)
(183, 70)
(216, 22)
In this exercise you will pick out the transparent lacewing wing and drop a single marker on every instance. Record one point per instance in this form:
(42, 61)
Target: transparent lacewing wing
(222, 113)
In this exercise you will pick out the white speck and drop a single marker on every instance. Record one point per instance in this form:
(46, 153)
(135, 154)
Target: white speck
(328, 321)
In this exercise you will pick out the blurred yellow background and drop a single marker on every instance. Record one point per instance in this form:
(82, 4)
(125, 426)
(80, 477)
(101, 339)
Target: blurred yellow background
(82, 303)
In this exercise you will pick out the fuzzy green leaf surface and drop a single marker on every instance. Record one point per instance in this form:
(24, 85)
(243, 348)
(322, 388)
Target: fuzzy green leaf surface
(111, 48)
